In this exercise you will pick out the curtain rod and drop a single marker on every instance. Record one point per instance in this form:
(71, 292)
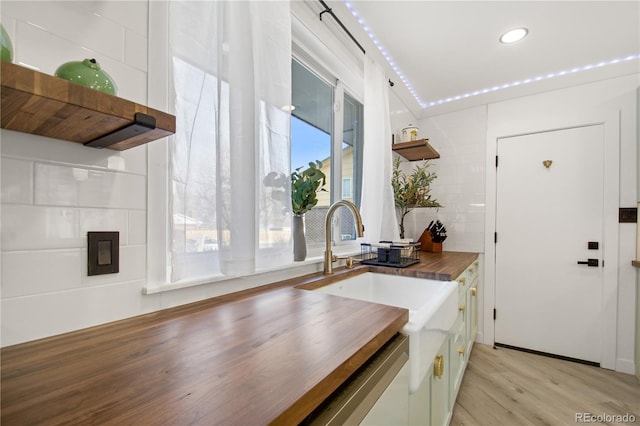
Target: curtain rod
(328, 9)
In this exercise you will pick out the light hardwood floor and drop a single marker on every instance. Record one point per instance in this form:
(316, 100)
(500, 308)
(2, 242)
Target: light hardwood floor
(508, 387)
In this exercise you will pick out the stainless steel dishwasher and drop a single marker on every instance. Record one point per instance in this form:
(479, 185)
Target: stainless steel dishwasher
(376, 394)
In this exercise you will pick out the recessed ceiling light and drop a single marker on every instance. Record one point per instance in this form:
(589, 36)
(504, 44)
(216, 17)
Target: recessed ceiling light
(514, 35)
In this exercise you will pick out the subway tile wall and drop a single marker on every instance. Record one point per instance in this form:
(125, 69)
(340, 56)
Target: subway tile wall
(54, 192)
(460, 138)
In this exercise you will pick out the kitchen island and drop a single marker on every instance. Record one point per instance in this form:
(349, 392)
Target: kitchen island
(266, 355)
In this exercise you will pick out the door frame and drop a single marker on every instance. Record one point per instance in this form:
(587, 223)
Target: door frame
(550, 122)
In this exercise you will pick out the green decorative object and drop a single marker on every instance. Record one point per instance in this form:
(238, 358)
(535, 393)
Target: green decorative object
(305, 185)
(6, 54)
(87, 73)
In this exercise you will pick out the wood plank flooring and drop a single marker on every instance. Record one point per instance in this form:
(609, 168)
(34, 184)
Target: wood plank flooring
(508, 387)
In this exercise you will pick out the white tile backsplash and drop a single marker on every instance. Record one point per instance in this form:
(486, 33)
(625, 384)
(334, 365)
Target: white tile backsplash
(33, 317)
(131, 14)
(39, 227)
(54, 192)
(133, 266)
(25, 146)
(75, 24)
(103, 304)
(103, 220)
(76, 186)
(16, 182)
(135, 53)
(40, 271)
(460, 185)
(137, 227)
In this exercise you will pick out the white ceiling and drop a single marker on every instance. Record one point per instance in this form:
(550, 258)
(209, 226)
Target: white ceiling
(448, 49)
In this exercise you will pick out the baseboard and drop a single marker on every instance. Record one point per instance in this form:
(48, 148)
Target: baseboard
(627, 366)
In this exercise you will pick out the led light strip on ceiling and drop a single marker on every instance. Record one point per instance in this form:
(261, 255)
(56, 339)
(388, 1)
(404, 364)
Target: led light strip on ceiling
(531, 80)
(425, 105)
(384, 52)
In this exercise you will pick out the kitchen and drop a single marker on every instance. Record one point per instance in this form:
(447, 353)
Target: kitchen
(46, 226)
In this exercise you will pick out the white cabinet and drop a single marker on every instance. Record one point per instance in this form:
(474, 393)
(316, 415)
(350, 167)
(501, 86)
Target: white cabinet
(440, 383)
(458, 345)
(432, 404)
(462, 339)
(428, 405)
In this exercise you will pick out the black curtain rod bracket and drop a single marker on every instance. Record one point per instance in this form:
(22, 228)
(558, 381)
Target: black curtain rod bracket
(325, 11)
(328, 10)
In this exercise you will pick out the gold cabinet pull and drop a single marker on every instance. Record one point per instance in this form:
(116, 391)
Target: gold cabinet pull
(438, 366)
(462, 280)
(461, 308)
(473, 291)
(472, 269)
(461, 350)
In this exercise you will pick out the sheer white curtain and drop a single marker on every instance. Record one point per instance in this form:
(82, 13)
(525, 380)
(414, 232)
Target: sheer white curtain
(377, 204)
(230, 155)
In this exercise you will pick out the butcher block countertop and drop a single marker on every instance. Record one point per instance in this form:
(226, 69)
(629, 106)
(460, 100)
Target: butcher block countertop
(265, 355)
(445, 266)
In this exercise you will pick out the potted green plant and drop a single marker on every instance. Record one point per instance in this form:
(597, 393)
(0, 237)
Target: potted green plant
(305, 185)
(413, 190)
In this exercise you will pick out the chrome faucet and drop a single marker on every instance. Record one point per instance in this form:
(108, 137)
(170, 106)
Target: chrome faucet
(328, 256)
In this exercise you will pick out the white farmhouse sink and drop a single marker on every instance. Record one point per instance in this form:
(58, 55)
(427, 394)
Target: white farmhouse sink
(432, 305)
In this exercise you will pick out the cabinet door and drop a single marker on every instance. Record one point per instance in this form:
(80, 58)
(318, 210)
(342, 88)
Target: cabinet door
(457, 349)
(472, 315)
(440, 387)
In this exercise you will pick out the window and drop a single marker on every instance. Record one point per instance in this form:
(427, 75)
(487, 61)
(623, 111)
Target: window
(176, 216)
(346, 188)
(314, 127)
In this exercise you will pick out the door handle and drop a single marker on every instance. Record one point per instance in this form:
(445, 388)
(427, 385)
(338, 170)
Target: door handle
(589, 262)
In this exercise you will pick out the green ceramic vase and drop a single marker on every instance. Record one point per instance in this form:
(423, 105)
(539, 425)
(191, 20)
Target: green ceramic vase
(87, 73)
(6, 52)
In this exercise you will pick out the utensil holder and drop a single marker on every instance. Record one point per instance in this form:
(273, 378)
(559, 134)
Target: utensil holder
(427, 243)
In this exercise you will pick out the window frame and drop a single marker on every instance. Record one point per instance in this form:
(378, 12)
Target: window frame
(339, 92)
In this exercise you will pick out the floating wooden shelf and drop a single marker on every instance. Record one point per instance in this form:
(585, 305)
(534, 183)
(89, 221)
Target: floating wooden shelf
(416, 150)
(41, 104)
(636, 263)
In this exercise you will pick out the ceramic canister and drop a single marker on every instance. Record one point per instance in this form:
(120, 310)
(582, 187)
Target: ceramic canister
(410, 133)
(6, 48)
(88, 73)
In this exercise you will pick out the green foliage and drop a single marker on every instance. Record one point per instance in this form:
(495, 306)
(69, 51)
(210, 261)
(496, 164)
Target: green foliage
(304, 187)
(413, 190)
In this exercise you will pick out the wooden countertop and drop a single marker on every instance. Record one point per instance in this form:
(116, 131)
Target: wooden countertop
(445, 266)
(267, 355)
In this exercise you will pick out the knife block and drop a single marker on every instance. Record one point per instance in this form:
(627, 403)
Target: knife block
(427, 244)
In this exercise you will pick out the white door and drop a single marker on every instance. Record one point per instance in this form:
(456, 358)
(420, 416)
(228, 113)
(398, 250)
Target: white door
(545, 217)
